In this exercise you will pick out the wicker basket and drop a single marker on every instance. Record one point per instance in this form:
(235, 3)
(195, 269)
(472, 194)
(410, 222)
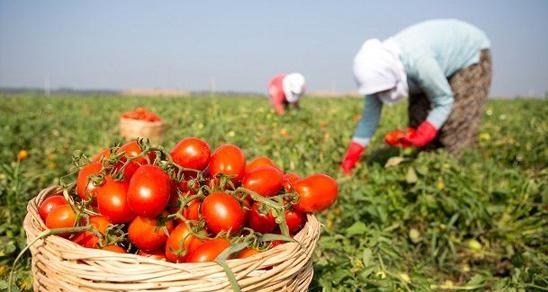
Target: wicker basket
(61, 265)
(131, 129)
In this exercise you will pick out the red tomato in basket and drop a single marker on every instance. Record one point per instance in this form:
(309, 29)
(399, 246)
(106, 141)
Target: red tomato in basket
(84, 185)
(104, 154)
(133, 149)
(112, 201)
(192, 211)
(295, 221)
(155, 254)
(266, 181)
(49, 204)
(316, 192)
(191, 153)
(229, 160)
(149, 191)
(247, 252)
(149, 233)
(180, 242)
(222, 212)
(259, 162)
(263, 223)
(90, 239)
(61, 217)
(208, 251)
(289, 180)
(114, 248)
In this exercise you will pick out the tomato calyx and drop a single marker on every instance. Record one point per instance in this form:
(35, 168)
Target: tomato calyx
(275, 204)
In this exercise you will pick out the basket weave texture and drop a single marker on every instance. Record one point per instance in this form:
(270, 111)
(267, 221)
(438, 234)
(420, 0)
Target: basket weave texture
(132, 129)
(59, 264)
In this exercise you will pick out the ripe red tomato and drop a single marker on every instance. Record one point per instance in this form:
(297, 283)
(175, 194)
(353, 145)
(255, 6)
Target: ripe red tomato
(148, 233)
(192, 211)
(112, 201)
(259, 162)
(84, 187)
(295, 221)
(132, 149)
(247, 252)
(289, 180)
(229, 160)
(114, 248)
(90, 239)
(49, 203)
(261, 222)
(149, 191)
(104, 154)
(392, 138)
(208, 251)
(265, 180)
(275, 243)
(61, 217)
(222, 212)
(180, 242)
(155, 254)
(316, 192)
(191, 153)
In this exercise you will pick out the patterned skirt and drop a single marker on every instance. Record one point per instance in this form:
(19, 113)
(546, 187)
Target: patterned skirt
(470, 88)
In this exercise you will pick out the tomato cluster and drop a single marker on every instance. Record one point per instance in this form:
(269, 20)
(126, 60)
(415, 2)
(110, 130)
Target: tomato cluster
(395, 137)
(187, 205)
(141, 113)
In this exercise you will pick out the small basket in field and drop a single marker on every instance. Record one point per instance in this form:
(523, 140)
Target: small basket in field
(132, 129)
(59, 264)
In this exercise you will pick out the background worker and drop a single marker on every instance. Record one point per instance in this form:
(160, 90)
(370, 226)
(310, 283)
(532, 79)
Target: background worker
(444, 66)
(286, 89)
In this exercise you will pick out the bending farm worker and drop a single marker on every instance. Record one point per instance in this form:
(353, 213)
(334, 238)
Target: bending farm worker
(286, 89)
(444, 66)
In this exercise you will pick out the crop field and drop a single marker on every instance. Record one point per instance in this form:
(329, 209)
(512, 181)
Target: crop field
(406, 220)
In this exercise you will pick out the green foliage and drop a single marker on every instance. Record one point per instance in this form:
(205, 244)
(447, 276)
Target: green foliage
(404, 221)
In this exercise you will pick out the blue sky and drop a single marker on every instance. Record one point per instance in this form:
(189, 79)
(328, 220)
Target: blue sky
(241, 44)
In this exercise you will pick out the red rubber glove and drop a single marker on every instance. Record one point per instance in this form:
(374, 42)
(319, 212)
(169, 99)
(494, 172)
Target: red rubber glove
(351, 157)
(425, 133)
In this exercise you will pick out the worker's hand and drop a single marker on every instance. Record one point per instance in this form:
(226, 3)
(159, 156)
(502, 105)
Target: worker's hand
(351, 157)
(425, 133)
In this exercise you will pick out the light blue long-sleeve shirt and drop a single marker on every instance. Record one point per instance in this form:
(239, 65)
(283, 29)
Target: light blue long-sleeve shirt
(431, 51)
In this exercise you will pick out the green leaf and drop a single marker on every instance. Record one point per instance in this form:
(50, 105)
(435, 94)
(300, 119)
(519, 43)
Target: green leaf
(393, 161)
(366, 257)
(356, 229)
(229, 275)
(411, 176)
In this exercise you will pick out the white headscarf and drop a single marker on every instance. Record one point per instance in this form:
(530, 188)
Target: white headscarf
(293, 86)
(377, 67)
